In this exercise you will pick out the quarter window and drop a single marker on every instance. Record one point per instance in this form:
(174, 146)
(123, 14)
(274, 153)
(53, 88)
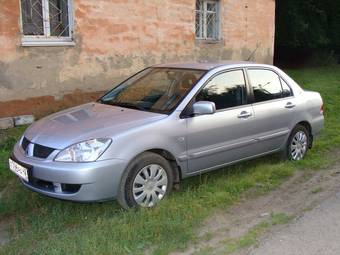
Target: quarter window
(286, 90)
(207, 19)
(46, 22)
(266, 85)
(225, 90)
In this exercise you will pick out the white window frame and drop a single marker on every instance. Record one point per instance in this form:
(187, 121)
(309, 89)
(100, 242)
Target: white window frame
(203, 22)
(47, 39)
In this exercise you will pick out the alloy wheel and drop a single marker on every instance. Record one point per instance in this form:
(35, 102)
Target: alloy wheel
(298, 146)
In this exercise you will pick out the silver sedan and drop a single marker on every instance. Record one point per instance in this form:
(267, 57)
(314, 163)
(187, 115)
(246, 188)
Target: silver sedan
(163, 124)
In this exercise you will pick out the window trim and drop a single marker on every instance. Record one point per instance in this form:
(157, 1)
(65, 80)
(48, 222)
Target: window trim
(46, 39)
(184, 114)
(250, 87)
(291, 90)
(203, 26)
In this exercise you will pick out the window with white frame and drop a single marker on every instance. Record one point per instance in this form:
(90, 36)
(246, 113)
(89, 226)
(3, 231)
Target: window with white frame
(207, 19)
(46, 22)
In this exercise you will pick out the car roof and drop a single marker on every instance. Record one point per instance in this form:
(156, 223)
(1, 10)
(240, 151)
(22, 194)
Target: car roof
(208, 65)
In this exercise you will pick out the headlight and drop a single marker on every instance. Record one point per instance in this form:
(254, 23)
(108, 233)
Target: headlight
(87, 151)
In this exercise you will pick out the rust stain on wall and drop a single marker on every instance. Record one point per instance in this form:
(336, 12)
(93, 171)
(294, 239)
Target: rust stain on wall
(42, 106)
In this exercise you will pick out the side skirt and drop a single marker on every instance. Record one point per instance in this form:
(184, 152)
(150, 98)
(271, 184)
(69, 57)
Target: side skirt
(230, 163)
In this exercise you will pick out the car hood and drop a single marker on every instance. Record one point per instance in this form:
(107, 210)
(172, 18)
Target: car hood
(84, 122)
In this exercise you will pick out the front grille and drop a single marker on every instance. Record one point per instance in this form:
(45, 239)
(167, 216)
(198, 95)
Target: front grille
(49, 186)
(70, 188)
(40, 184)
(39, 151)
(25, 142)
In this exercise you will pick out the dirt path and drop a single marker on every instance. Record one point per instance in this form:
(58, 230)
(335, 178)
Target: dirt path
(317, 232)
(301, 193)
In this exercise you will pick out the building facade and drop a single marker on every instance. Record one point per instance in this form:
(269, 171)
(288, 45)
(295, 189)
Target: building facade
(56, 53)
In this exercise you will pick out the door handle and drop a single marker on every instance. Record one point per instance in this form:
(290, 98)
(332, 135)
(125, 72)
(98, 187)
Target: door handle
(289, 105)
(244, 115)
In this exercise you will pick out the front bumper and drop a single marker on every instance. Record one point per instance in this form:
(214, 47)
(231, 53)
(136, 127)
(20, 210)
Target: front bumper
(84, 182)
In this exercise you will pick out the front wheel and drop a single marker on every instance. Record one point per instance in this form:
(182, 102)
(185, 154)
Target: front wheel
(146, 182)
(298, 143)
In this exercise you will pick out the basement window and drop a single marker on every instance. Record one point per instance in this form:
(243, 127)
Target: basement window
(46, 23)
(207, 19)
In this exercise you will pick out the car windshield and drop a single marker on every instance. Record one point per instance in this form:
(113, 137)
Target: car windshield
(154, 89)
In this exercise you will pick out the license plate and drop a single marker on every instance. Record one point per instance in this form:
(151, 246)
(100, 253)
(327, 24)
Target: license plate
(19, 170)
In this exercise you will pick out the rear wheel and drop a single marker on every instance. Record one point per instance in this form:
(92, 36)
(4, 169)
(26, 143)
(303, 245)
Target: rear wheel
(298, 143)
(146, 182)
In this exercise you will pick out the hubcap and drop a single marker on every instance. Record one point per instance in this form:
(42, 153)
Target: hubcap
(150, 185)
(298, 146)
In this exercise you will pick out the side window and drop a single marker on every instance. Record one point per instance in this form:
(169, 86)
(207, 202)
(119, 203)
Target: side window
(286, 90)
(225, 90)
(266, 85)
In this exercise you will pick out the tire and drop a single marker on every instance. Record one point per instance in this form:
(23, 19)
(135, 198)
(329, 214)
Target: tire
(146, 181)
(298, 144)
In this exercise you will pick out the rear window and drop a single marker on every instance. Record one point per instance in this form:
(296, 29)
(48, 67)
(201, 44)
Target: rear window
(266, 85)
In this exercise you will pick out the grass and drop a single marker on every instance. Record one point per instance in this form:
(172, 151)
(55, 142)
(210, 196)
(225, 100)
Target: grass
(41, 225)
(7, 140)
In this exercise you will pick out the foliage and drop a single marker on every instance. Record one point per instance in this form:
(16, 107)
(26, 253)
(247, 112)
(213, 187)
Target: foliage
(309, 24)
(307, 33)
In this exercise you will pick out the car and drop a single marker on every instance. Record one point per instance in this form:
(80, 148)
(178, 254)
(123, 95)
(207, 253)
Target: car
(166, 123)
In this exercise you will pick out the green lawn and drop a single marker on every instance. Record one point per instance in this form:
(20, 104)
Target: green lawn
(41, 225)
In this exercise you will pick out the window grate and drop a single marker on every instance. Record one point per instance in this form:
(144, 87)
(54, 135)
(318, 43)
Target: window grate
(49, 20)
(32, 17)
(207, 19)
(59, 20)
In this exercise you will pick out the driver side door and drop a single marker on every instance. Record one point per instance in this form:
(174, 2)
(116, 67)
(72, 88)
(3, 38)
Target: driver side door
(227, 135)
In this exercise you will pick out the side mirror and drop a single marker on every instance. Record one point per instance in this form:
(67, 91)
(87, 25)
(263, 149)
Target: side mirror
(204, 108)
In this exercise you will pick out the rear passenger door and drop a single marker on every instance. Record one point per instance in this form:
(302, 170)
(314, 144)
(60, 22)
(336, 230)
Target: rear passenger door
(274, 108)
